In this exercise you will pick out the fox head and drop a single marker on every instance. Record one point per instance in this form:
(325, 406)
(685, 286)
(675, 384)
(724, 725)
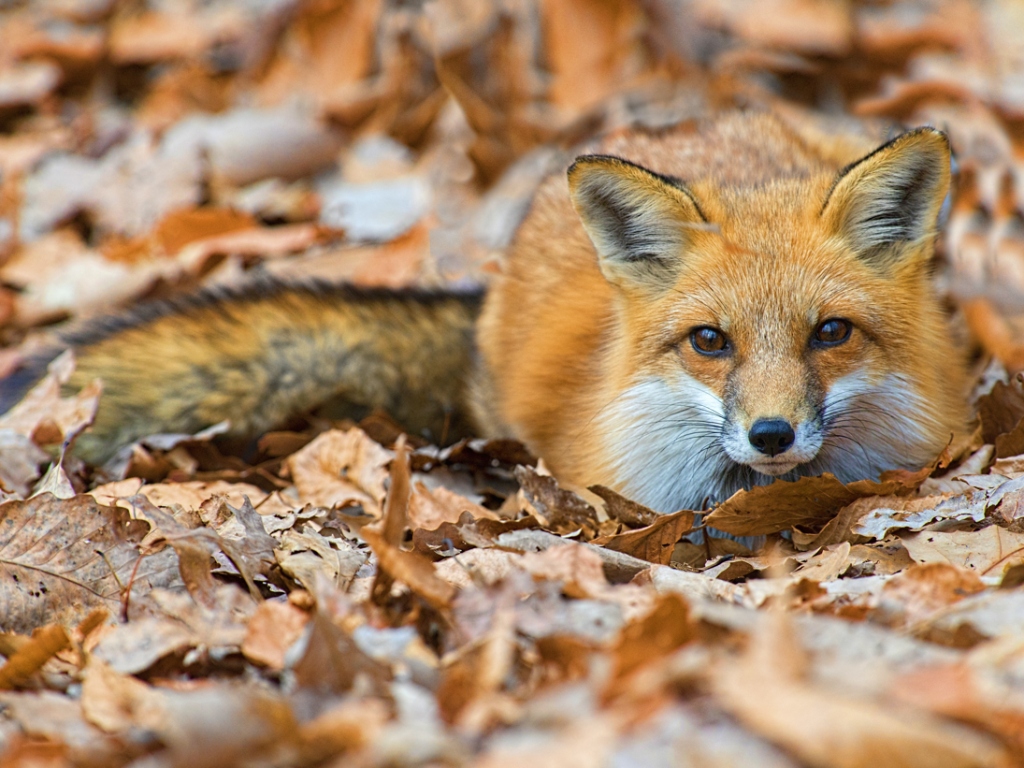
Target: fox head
(779, 330)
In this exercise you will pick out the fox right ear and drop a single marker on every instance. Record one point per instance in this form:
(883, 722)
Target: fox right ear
(886, 205)
(640, 223)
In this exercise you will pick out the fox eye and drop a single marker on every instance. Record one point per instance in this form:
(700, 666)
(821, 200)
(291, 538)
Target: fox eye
(832, 332)
(708, 341)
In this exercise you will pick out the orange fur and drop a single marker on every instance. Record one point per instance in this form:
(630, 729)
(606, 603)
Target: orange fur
(587, 349)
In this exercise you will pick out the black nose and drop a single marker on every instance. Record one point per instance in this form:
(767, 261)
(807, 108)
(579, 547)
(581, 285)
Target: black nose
(771, 436)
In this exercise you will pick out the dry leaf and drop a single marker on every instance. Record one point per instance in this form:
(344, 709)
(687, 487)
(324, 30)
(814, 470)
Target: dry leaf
(62, 558)
(341, 469)
(562, 511)
(656, 542)
(430, 508)
(30, 656)
(921, 590)
(834, 731)
(273, 629)
(807, 502)
(987, 552)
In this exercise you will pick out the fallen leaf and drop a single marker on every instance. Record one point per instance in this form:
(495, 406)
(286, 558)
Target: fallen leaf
(561, 511)
(624, 510)
(32, 655)
(987, 552)
(429, 508)
(44, 404)
(921, 590)
(807, 502)
(333, 662)
(834, 731)
(660, 632)
(61, 558)
(274, 628)
(340, 469)
(116, 702)
(654, 543)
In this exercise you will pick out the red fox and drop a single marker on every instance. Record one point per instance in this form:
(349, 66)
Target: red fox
(685, 314)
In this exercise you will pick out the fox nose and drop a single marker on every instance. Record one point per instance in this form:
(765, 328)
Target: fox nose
(771, 436)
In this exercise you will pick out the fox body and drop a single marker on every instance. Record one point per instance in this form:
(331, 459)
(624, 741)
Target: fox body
(683, 315)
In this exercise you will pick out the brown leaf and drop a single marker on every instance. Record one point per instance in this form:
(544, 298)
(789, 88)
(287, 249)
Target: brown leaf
(1001, 410)
(428, 509)
(806, 26)
(467, 532)
(411, 568)
(343, 728)
(215, 725)
(396, 509)
(333, 662)
(989, 551)
(59, 559)
(20, 459)
(44, 404)
(339, 469)
(57, 719)
(478, 454)
(921, 590)
(325, 47)
(188, 495)
(809, 502)
(592, 50)
(271, 632)
(195, 548)
(624, 510)
(657, 634)
(116, 702)
(656, 542)
(135, 647)
(31, 656)
(827, 729)
(582, 573)
(995, 334)
(392, 528)
(304, 556)
(480, 670)
(562, 511)
(958, 691)
(153, 37)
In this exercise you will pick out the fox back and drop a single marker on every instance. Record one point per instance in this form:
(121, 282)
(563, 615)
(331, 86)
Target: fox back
(698, 311)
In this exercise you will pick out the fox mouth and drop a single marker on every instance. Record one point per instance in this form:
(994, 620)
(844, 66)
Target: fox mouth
(775, 467)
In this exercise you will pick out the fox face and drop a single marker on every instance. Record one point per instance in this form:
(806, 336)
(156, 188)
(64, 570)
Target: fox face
(783, 330)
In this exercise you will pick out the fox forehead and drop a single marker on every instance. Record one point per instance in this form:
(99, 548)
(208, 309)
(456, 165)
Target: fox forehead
(767, 294)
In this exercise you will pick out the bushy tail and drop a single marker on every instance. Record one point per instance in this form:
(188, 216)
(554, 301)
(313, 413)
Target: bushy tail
(258, 355)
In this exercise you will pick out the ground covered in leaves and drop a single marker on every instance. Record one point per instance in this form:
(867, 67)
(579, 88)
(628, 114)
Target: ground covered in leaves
(341, 594)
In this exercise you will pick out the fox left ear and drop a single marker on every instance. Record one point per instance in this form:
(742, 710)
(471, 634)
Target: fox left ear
(887, 204)
(641, 224)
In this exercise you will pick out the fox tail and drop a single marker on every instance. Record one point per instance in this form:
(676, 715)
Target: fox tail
(258, 355)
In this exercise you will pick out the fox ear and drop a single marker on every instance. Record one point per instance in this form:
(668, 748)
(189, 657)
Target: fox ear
(887, 204)
(640, 223)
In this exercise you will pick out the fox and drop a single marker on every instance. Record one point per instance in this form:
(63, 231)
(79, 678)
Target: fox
(685, 313)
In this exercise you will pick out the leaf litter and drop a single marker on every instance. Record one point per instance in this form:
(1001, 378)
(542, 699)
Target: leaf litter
(338, 594)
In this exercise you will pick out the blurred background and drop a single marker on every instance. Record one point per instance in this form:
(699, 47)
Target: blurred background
(147, 148)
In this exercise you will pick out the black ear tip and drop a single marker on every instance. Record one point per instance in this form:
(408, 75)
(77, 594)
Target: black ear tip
(928, 132)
